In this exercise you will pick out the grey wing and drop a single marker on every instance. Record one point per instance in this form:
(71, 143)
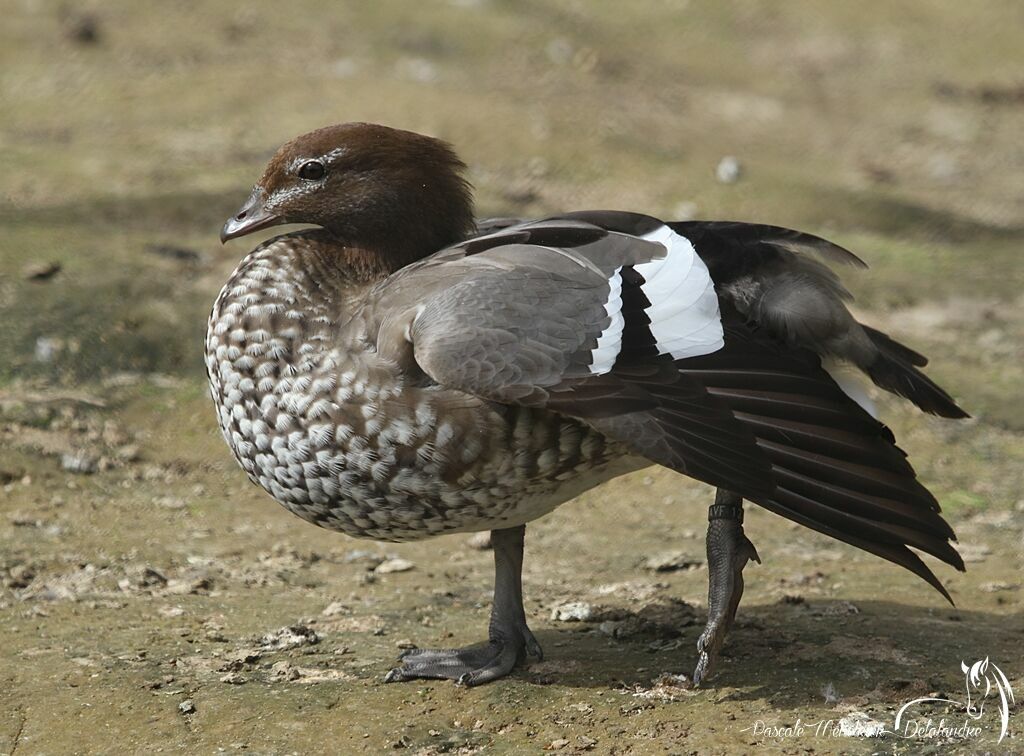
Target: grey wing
(528, 315)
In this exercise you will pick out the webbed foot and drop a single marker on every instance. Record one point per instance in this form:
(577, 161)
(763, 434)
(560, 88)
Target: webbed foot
(473, 665)
(510, 640)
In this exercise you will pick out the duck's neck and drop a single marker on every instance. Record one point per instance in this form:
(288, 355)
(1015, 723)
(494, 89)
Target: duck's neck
(374, 256)
(331, 262)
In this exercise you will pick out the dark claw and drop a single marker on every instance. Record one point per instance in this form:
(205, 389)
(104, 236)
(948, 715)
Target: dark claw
(533, 647)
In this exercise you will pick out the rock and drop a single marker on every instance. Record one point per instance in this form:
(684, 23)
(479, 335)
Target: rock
(83, 29)
(170, 502)
(630, 590)
(216, 635)
(666, 687)
(128, 453)
(335, 608)
(240, 657)
(396, 564)
(672, 561)
(80, 463)
(283, 671)
(289, 637)
(670, 680)
(370, 558)
(728, 170)
(838, 608)
(142, 578)
(42, 271)
(184, 586)
(572, 611)
(233, 678)
(47, 348)
(187, 707)
(172, 252)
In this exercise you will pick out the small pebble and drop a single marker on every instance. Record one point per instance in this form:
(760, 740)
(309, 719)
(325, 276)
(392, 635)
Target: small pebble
(83, 29)
(288, 637)
(283, 670)
(673, 561)
(572, 611)
(728, 170)
(47, 348)
(335, 608)
(42, 271)
(79, 463)
(394, 565)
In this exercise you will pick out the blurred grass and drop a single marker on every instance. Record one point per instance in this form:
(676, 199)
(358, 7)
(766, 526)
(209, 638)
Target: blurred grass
(855, 123)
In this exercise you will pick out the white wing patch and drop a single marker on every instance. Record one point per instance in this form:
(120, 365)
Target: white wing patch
(609, 343)
(685, 319)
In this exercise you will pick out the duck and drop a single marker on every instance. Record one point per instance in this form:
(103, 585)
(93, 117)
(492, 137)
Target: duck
(399, 370)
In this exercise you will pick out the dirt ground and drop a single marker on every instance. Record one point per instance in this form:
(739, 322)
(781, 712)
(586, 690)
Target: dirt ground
(152, 600)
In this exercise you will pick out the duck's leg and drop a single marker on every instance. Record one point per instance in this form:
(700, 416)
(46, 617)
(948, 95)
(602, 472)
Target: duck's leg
(509, 639)
(728, 552)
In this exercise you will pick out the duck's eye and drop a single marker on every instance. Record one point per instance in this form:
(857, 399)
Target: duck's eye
(312, 170)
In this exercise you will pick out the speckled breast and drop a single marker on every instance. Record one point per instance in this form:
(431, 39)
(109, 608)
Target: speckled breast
(340, 437)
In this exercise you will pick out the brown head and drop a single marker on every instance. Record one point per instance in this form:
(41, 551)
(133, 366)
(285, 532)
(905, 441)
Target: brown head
(385, 191)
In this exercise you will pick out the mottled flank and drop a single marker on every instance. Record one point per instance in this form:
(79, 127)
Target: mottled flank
(339, 436)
